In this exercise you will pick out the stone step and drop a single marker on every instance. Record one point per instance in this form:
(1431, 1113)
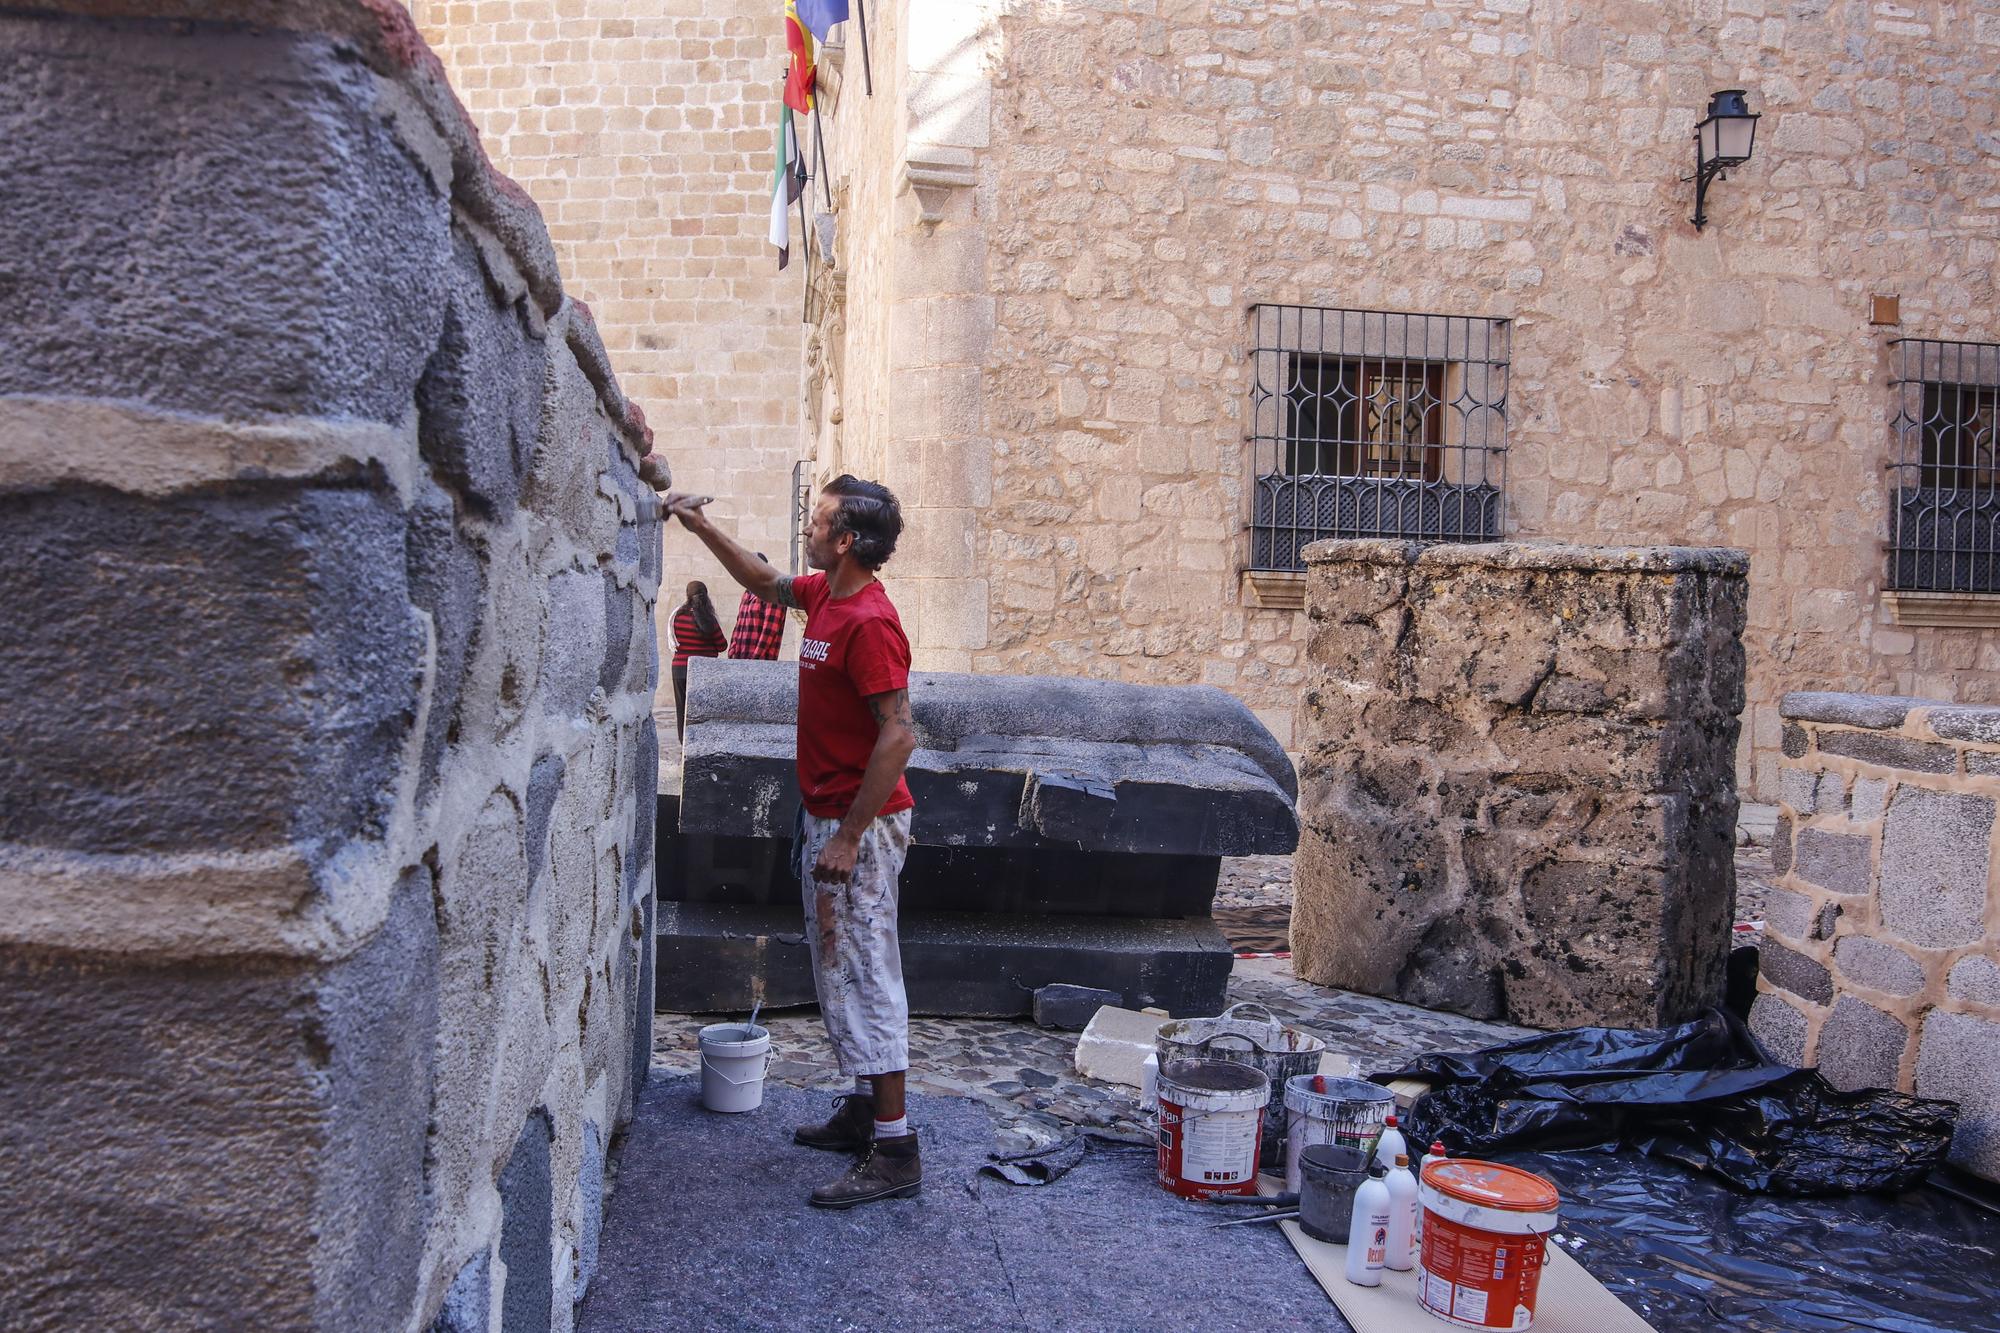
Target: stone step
(719, 959)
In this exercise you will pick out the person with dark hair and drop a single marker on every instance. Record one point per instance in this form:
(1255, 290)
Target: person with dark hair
(854, 740)
(697, 633)
(760, 626)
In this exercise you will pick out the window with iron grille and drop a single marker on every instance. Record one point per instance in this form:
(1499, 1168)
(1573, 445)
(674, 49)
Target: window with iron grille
(802, 504)
(1374, 423)
(1945, 509)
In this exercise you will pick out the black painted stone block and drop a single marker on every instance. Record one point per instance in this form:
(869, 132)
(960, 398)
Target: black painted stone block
(253, 668)
(447, 579)
(702, 868)
(1070, 1008)
(210, 220)
(718, 959)
(527, 1220)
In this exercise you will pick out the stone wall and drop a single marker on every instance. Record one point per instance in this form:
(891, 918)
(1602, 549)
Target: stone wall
(1113, 185)
(1881, 954)
(644, 134)
(325, 750)
(1518, 796)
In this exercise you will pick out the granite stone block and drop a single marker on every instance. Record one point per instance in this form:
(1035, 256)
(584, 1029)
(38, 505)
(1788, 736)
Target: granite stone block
(1935, 859)
(1955, 1061)
(1787, 915)
(527, 1230)
(1867, 800)
(1877, 965)
(1872, 747)
(1880, 711)
(1975, 977)
(479, 401)
(1802, 976)
(469, 1299)
(1837, 862)
(1860, 1046)
(1780, 1027)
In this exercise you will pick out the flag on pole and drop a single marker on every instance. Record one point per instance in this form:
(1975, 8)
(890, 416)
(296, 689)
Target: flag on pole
(799, 75)
(788, 182)
(819, 16)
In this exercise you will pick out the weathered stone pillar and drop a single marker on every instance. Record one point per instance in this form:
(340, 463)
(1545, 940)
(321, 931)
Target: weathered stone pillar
(1881, 954)
(1518, 797)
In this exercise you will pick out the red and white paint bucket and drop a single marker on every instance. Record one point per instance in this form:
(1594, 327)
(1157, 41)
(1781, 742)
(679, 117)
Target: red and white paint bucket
(1211, 1117)
(1484, 1226)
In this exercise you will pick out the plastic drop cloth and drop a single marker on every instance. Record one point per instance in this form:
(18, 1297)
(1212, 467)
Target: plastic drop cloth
(1703, 1094)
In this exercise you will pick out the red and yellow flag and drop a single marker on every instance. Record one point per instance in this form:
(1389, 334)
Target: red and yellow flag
(799, 76)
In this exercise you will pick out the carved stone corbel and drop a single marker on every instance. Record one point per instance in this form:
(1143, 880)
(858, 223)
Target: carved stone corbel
(932, 172)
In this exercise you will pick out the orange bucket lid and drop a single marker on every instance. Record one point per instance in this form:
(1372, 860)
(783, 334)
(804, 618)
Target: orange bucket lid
(1491, 1185)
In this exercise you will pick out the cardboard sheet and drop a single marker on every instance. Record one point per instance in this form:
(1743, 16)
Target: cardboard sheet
(1570, 1300)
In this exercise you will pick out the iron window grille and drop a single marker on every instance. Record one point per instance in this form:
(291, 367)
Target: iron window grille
(1374, 423)
(1945, 509)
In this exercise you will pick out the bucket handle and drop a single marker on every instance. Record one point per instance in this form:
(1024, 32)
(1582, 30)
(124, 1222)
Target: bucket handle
(1261, 1011)
(1247, 1046)
(739, 1082)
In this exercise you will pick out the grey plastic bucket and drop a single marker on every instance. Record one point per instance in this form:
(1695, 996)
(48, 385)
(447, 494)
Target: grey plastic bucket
(1329, 1175)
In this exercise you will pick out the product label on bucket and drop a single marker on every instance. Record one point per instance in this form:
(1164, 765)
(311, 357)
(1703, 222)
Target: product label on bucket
(1219, 1149)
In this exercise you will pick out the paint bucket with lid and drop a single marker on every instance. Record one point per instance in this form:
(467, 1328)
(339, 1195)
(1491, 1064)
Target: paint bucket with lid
(1349, 1113)
(1484, 1232)
(1211, 1116)
(734, 1057)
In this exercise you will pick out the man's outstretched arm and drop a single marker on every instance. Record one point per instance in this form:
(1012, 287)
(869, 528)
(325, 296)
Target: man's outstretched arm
(743, 565)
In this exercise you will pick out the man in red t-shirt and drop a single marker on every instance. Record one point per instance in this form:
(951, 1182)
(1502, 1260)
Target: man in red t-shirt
(854, 740)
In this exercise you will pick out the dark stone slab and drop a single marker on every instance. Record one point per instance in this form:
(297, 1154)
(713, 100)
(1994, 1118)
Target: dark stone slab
(645, 815)
(642, 1000)
(253, 669)
(1883, 711)
(1792, 741)
(1192, 770)
(1781, 845)
(703, 868)
(1104, 1248)
(527, 1206)
(1070, 1008)
(1793, 971)
(1872, 747)
(290, 251)
(617, 635)
(480, 398)
(447, 579)
(715, 959)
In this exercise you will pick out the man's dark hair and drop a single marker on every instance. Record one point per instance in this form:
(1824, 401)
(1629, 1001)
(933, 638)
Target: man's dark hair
(869, 510)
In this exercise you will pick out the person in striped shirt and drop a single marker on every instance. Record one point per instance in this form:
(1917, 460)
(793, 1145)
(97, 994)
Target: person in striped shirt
(697, 633)
(760, 626)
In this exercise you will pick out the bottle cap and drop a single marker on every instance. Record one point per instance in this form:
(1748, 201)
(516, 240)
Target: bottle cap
(1437, 1147)
(1391, 1121)
(1403, 1160)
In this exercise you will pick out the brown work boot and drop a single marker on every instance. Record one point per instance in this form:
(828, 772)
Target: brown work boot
(850, 1128)
(890, 1169)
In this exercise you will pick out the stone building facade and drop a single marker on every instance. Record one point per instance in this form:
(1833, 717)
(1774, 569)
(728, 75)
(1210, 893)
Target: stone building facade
(326, 757)
(644, 134)
(1047, 331)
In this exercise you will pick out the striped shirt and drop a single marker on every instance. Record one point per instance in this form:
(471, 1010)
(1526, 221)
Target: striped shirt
(689, 641)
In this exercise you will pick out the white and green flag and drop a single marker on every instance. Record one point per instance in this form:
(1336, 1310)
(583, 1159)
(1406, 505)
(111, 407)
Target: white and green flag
(788, 182)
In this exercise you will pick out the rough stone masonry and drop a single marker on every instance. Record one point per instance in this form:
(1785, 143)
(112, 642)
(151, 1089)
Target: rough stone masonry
(326, 763)
(1881, 954)
(1518, 797)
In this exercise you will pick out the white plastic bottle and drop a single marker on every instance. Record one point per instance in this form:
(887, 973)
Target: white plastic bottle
(1391, 1144)
(1436, 1154)
(1402, 1215)
(1368, 1232)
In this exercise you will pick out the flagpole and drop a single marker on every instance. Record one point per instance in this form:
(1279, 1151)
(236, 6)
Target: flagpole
(819, 151)
(867, 75)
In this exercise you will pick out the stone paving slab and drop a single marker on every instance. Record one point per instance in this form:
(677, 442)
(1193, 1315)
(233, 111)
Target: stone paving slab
(1026, 1077)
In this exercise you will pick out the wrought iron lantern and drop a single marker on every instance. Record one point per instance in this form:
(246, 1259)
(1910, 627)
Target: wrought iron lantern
(1722, 141)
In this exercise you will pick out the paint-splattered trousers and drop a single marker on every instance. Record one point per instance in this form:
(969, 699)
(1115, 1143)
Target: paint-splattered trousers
(856, 955)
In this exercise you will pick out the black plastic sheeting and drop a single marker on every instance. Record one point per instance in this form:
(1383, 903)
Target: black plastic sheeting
(1688, 1253)
(1703, 1094)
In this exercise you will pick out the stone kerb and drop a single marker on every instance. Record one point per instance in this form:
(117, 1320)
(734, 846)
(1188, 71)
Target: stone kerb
(1518, 790)
(1881, 954)
(326, 758)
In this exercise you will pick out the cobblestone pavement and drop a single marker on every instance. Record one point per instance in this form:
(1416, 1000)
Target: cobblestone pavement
(1027, 1076)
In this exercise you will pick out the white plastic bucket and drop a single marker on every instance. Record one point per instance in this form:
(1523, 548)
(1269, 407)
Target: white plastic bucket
(734, 1057)
(1349, 1114)
(1211, 1112)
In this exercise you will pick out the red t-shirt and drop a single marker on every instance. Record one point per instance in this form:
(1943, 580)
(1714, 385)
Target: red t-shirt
(854, 647)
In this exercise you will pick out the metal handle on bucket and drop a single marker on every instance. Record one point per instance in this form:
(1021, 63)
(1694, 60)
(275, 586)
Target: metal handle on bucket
(1230, 1012)
(724, 1075)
